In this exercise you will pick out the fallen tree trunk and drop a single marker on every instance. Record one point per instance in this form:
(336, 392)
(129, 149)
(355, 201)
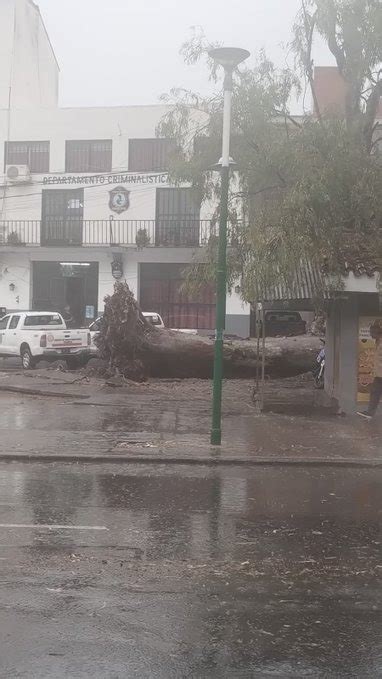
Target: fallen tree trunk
(174, 354)
(136, 349)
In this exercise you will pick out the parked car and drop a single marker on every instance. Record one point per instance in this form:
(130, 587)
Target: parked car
(283, 324)
(94, 328)
(42, 335)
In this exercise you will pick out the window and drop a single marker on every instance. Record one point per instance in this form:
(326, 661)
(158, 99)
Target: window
(62, 216)
(150, 155)
(177, 217)
(89, 156)
(35, 154)
(14, 322)
(33, 321)
(178, 203)
(4, 322)
(283, 316)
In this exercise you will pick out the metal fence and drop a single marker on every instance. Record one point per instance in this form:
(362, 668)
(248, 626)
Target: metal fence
(137, 232)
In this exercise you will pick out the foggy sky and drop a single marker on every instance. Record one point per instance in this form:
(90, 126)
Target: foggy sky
(120, 52)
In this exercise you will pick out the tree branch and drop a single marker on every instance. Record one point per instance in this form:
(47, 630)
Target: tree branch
(309, 27)
(371, 114)
(287, 116)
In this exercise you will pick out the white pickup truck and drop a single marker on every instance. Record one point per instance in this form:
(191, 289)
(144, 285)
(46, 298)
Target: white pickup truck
(42, 335)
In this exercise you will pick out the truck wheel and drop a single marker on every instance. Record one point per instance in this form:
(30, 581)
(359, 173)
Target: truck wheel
(27, 359)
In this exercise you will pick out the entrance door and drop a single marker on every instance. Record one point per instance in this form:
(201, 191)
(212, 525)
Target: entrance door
(75, 299)
(161, 291)
(62, 217)
(56, 285)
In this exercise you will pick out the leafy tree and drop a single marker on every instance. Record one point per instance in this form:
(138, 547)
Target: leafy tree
(307, 188)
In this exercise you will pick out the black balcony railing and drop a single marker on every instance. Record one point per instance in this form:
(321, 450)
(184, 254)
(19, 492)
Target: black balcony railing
(169, 232)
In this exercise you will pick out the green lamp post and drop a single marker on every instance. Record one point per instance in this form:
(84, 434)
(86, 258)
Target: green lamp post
(229, 58)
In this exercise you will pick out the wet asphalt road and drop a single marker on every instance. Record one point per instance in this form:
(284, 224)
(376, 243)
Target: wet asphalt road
(165, 572)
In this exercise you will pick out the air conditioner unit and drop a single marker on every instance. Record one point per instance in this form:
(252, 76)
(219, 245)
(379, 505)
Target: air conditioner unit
(18, 174)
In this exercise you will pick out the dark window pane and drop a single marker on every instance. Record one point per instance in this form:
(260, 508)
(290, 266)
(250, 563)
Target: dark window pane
(100, 156)
(177, 217)
(150, 155)
(89, 156)
(14, 322)
(35, 154)
(34, 321)
(62, 216)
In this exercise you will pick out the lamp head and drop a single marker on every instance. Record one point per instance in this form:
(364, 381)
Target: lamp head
(228, 57)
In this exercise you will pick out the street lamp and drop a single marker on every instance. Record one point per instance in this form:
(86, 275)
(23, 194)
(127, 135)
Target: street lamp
(229, 58)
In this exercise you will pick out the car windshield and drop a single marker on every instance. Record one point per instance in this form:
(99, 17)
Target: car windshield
(153, 319)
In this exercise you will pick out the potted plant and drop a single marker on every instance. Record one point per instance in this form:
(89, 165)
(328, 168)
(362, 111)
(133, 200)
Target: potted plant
(142, 239)
(14, 239)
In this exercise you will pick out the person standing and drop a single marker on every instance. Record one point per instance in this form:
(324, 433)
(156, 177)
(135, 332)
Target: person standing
(68, 317)
(376, 387)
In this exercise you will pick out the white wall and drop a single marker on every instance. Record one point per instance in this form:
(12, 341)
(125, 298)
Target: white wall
(7, 23)
(59, 125)
(28, 67)
(15, 270)
(24, 202)
(235, 305)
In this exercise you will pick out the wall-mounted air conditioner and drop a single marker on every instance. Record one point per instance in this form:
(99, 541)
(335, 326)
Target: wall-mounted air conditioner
(17, 174)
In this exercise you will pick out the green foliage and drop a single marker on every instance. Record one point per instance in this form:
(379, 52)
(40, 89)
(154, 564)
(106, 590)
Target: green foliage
(352, 30)
(142, 239)
(305, 187)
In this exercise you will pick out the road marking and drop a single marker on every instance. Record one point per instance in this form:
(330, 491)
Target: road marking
(50, 526)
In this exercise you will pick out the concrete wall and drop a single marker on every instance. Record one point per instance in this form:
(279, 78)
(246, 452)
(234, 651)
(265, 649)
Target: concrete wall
(7, 11)
(16, 266)
(28, 67)
(238, 316)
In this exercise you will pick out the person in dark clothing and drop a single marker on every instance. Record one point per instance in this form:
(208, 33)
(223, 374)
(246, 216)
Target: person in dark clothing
(68, 317)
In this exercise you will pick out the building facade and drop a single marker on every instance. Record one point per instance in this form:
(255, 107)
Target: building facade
(85, 197)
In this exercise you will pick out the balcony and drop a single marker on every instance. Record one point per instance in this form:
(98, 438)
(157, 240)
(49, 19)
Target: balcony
(140, 233)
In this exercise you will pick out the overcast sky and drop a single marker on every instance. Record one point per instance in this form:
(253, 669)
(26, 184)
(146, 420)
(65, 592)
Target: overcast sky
(119, 52)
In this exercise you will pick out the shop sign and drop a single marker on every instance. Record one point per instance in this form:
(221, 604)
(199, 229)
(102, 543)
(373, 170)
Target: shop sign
(106, 179)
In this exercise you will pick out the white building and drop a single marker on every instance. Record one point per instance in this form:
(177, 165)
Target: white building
(80, 187)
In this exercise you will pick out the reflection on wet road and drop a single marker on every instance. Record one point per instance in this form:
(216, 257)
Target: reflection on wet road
(200, 573)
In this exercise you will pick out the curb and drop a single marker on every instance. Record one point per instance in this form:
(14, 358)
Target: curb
(40, 392)
(193, 461)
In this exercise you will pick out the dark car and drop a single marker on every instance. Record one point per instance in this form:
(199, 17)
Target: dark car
(283, 324)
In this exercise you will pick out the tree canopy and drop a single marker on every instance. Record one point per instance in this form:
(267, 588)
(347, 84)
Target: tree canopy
(305, 186)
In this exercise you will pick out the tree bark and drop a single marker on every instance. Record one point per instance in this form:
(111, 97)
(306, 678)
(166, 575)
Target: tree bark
(168, 353)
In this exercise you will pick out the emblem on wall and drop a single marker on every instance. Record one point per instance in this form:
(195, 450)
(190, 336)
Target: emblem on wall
(117, 267)
(119, 200)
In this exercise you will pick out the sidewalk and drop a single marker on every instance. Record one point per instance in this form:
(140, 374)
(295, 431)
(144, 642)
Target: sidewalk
(50, 415)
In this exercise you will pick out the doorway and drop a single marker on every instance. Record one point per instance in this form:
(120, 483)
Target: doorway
(57, 285)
